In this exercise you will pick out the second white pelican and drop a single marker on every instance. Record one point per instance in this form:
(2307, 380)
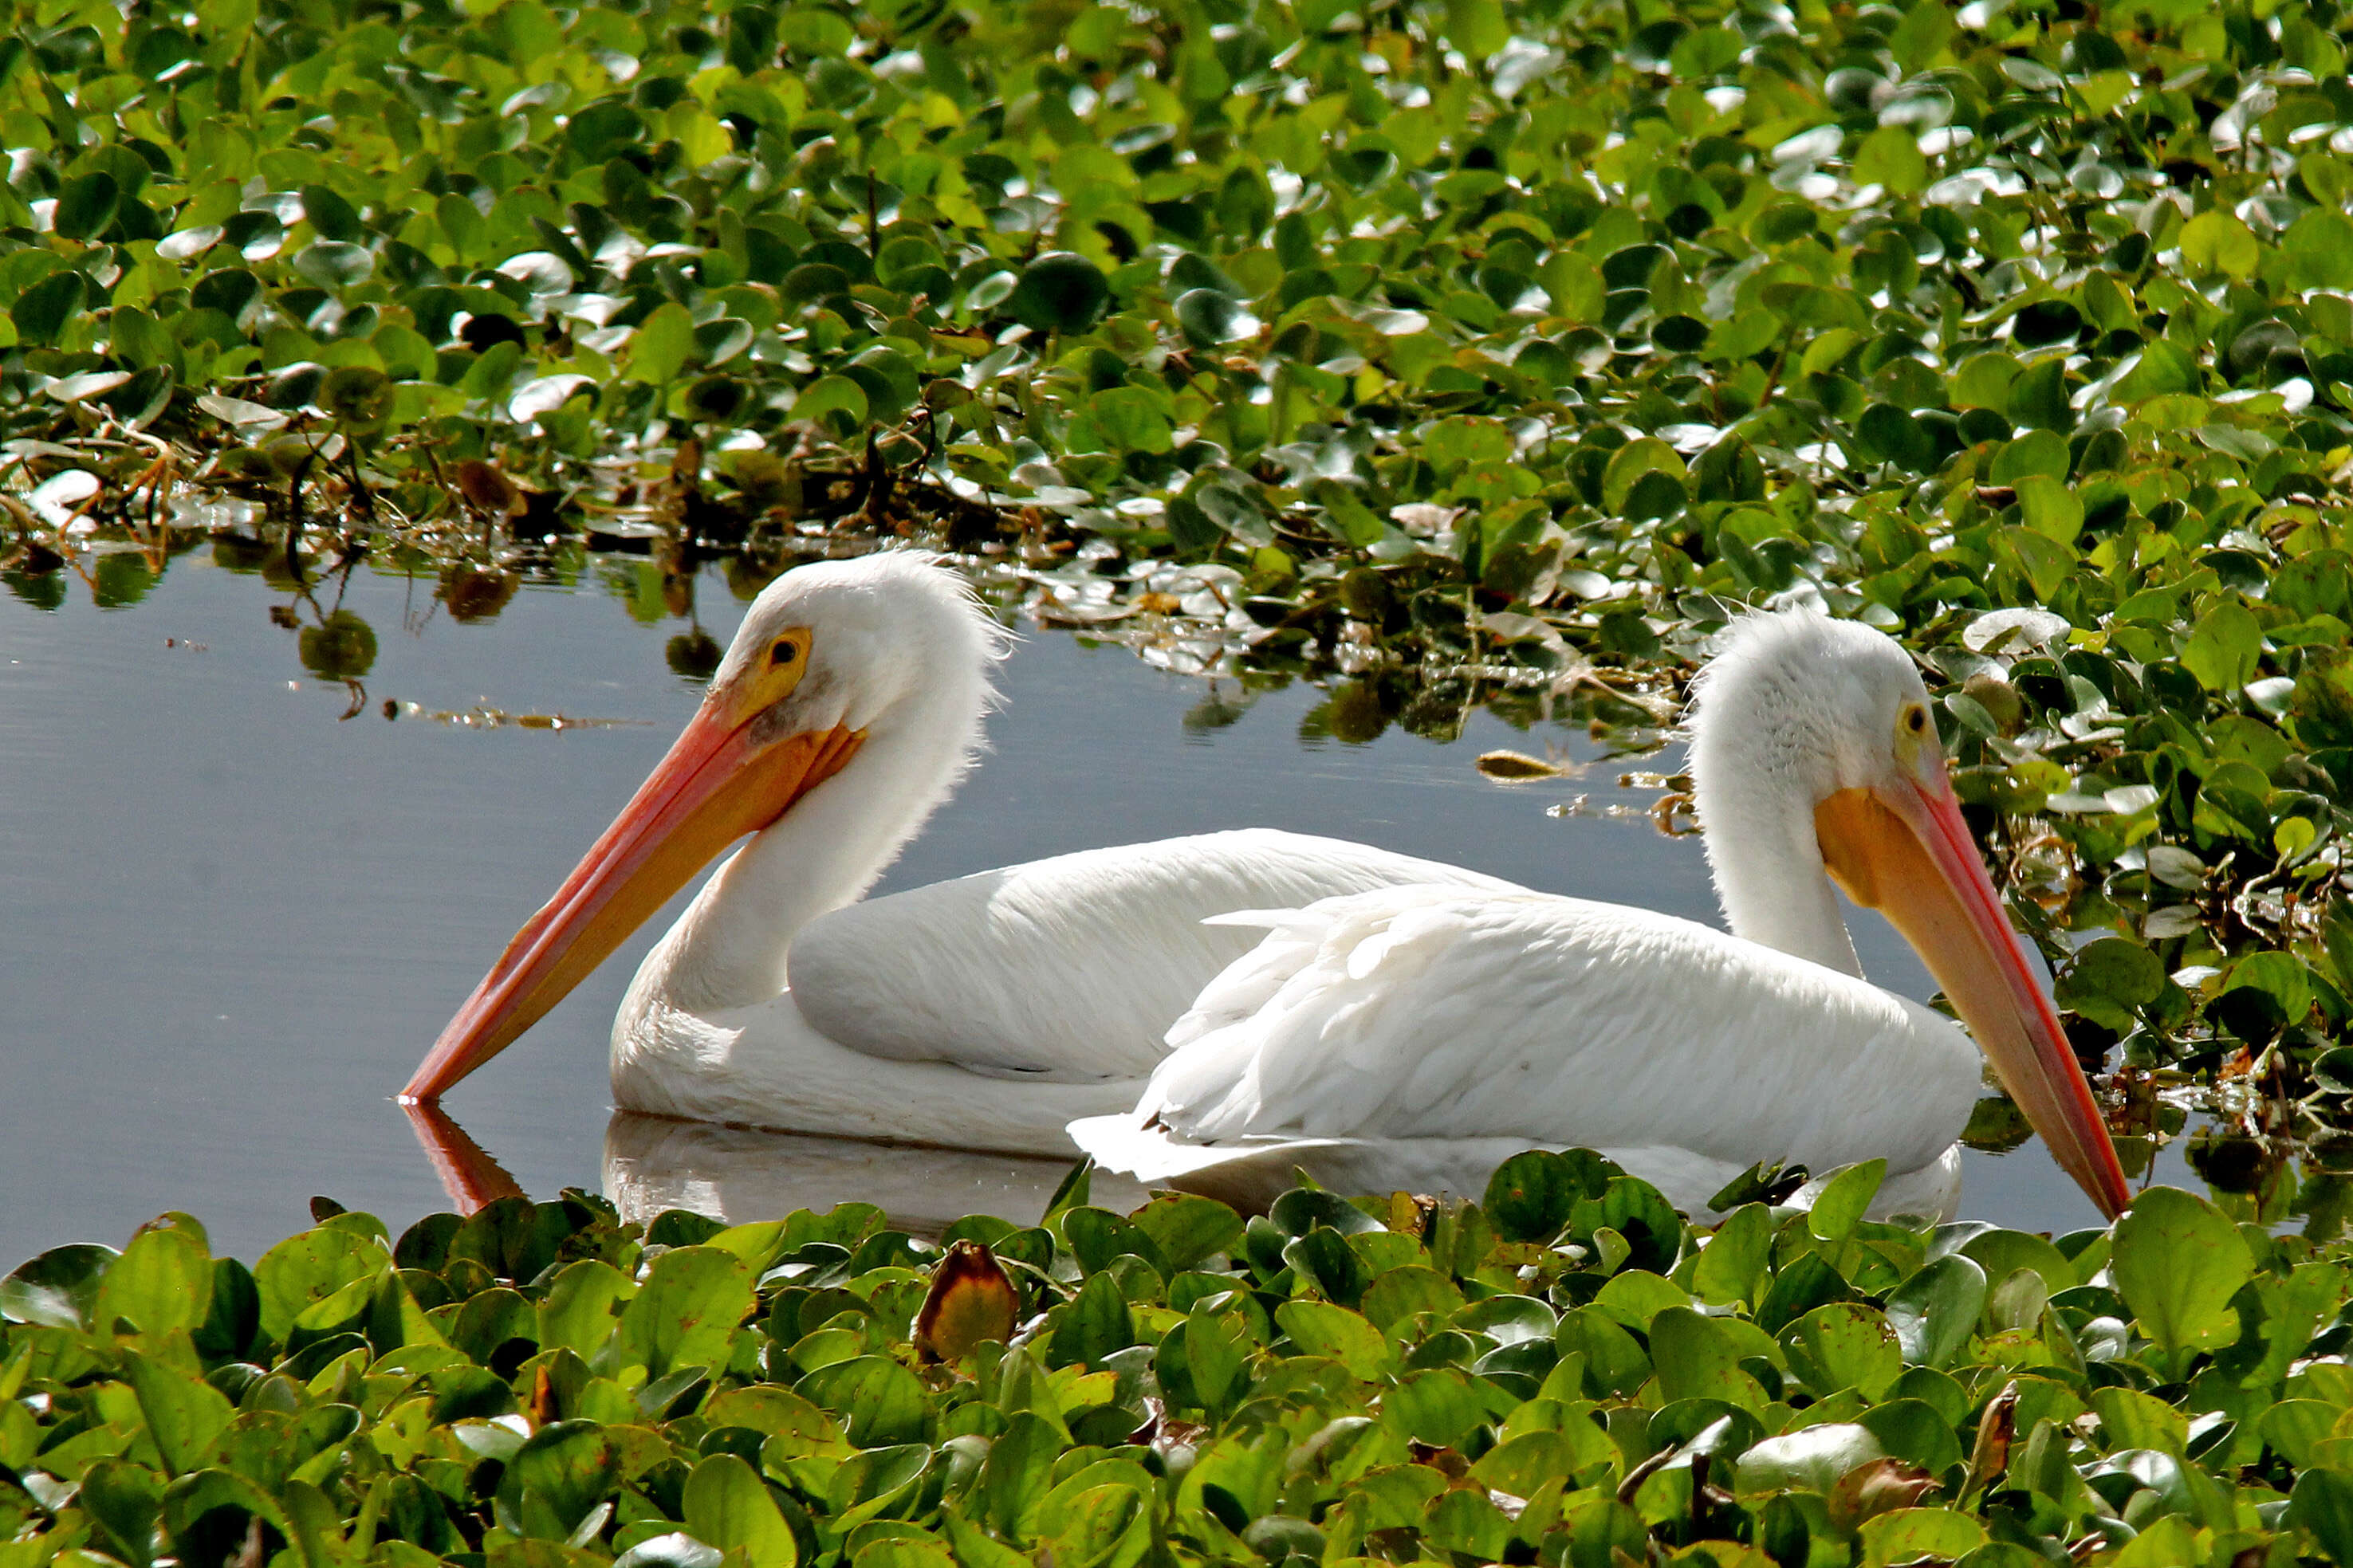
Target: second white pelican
(984, 1013)
(1415, 1038)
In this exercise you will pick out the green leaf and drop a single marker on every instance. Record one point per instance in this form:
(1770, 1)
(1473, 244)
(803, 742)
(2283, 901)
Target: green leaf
(126, 1501)
(728, 1506)
(334, 264)
(1320, 1329)
(1809, 1459)
(2037, 452)
(664, 341)
(1694, 1359)
(878, 1401)
(1208, 318)
(41, 311)
(2322, 1506)
(86, 205)
(2051, 509)
(1530, 1194)
(1092, 1326)
(1934, 1312)
(687, 1313)
(570, 1465)
(1732, 1265)
(1189, 1230)
(2218, 242)
(2176, 1262)
(1846, 1345)
(1845, 1199)
(1917, 1534)
(1059, 293)
(59, 1288)
(184, 1415)
(2224, 647)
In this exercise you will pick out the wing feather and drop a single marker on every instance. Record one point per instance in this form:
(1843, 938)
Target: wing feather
(1072, 969)
(1419, 1012)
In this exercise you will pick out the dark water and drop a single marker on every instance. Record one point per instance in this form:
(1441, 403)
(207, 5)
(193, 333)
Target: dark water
(231, 919)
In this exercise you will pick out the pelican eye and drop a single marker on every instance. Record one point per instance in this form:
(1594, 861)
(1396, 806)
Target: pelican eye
(1915, 720)
(784, 653)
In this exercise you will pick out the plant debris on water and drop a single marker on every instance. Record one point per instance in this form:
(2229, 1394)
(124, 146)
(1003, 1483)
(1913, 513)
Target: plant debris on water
(1565, 1374)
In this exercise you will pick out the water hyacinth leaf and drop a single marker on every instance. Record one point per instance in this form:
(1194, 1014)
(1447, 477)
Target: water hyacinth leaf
(1530, 1195)
(686, 1313)
(2117, 969)
(184, 1415)
(1694, 1359)
(1321, 1329)
(675, 1550)
(570, 1465)
(41, 311)
(1918, 1534)
(126, 1501)
(1812, 1458)
(1209, 318)
(1934, 1312)
(878, 1401)
(2225, 647)
(2178, 1261)
(1092, 1326)
(1059, 293)
(1733, 1262)
(86, 205)
(210, 1515)
(729, 1506)
(1846, 1345)
(334, 264)
(1189, 1230)
(1302, 1209)
(1844, 1200)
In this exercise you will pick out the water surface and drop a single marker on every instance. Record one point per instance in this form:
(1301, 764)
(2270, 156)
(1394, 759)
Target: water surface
(232, 918)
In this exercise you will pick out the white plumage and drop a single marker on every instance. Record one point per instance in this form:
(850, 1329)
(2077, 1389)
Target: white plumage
(984, 1013)
(1414, 1037)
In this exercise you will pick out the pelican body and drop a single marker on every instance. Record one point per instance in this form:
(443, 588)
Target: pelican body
(1415, 1036)
(984, 1013)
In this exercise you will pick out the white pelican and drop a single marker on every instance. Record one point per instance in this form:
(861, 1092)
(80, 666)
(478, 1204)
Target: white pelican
(1415, 1036)
(984, 1013)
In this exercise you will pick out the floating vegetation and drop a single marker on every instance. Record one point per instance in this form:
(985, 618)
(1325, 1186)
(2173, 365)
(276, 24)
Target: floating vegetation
(1565, 1373)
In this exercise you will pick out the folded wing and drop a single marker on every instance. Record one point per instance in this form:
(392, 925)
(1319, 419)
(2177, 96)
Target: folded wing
(1069, 969)
(1421, 1014)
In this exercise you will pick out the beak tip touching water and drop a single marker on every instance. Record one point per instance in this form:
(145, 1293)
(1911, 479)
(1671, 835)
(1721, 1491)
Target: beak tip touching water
(1907, 852)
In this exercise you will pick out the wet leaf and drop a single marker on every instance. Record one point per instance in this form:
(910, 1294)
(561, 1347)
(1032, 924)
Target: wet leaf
(2178, 1261)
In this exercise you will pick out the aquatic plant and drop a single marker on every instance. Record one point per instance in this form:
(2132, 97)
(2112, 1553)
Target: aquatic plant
(1565, 1374)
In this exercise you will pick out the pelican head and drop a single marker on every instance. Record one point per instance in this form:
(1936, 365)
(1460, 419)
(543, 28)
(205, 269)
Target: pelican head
(1814, 753)
(832, 657)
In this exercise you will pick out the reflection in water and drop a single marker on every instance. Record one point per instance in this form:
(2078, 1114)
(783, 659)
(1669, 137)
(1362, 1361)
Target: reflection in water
(652, 1163)
(737, 1173)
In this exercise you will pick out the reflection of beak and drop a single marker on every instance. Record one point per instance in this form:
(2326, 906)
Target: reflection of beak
(718, 783)
(1905, 852)
(469, 1175)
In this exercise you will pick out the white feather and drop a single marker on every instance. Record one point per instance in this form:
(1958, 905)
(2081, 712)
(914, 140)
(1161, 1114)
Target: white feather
(1419, 1035)
(982, 1013)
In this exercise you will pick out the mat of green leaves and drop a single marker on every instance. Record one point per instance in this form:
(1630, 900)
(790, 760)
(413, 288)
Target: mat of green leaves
(1564, 1374)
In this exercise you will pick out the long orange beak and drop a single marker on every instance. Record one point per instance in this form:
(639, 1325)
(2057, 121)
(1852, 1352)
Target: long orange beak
(720, 782)
(1906, 852)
